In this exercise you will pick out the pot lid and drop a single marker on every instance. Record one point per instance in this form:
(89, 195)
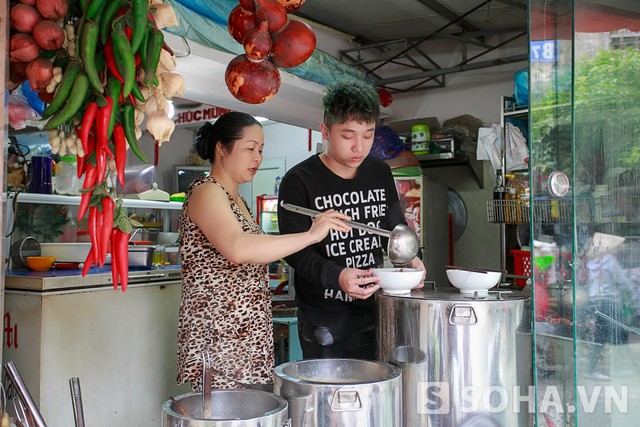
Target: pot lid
(453, 294)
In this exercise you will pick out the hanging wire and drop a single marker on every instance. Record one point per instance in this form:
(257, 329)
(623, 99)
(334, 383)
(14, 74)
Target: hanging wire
(21, 151)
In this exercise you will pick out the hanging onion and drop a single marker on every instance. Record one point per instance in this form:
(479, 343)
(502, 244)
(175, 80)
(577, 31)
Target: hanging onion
(48, 35)
(24, 17)
(52, 9)
(39, 72)
(23, 48)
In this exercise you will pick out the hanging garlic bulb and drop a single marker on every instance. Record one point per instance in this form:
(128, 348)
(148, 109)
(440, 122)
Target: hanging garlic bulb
(172, 84)
(163, 15)
(160, 127)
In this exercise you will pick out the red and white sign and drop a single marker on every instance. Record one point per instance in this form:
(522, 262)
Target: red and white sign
(201, 114)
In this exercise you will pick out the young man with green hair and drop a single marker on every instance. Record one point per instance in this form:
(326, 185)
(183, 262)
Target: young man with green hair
(333, 278)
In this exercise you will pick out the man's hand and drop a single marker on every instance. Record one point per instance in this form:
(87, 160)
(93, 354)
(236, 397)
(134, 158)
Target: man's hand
(417, 263)
(359, 284)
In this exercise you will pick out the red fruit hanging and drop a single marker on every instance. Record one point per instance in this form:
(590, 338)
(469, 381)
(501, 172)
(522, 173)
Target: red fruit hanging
(249, 5)
(257, 42)
(385, 96)
(293, 45)
(240, 22)
(291, 5)
(272, 12)
(250, 81)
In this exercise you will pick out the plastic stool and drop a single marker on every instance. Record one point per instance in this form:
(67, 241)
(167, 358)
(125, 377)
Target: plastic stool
(295, 351)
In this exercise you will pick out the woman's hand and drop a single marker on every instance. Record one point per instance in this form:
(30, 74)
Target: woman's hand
(326, 221)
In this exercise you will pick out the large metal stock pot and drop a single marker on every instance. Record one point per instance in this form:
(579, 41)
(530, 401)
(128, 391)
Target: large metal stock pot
(465, 360)
(229, 408)
(340, 393)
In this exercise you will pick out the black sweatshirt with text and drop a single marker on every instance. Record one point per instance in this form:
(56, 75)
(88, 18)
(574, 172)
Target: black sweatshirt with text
(370, 198)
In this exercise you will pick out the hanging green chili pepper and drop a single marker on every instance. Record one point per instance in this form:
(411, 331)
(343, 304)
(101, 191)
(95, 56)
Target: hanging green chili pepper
(128, 119)
(94, 8)
(89, 43)
(64, 89)
(154, 49)
(124, 57)
(78, 94)
(109, 12)
(140, 9)
(113, 90)
(135, 90)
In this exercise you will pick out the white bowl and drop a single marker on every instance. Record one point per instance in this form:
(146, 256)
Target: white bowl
(398, 280)
(168, 238)
(66, 252)
(470, 282)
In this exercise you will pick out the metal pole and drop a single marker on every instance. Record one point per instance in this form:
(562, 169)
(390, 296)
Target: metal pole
(23, 393)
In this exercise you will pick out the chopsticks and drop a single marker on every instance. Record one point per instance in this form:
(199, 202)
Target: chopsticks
(475, 270)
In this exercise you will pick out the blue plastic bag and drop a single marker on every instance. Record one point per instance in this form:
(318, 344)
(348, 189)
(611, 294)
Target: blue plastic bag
(521, 87)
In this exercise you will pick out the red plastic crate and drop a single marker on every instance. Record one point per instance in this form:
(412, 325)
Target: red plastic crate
(521, 265)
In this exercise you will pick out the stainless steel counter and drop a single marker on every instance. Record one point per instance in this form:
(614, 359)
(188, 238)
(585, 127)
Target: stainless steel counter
(61, 280)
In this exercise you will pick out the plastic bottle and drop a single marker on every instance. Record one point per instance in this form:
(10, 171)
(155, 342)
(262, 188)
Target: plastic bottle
(66, 181)
(276, 185)
(510, 196)
(498, 197)
(70, 229)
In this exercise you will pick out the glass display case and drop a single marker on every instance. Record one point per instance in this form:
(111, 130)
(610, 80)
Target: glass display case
(585, 260)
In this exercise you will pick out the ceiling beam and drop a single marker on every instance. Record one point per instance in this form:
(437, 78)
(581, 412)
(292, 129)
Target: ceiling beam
(456, 69)
(448, 14)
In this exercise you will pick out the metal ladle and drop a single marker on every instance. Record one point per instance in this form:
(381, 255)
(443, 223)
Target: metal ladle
(403, 242)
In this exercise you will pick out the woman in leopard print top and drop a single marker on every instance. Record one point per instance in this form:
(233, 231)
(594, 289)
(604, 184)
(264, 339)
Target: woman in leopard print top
(225, 305)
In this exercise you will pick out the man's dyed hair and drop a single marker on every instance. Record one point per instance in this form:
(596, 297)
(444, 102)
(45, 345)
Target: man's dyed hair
(344, 101)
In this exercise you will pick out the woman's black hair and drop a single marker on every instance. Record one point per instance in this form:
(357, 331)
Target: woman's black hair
(226, 130)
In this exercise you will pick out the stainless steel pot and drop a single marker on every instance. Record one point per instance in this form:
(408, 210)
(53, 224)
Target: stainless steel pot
(340, 392)
(229, 408)
(461, 357)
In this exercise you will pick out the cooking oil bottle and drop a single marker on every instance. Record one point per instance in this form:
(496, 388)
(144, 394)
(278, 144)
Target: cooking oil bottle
(510, 197)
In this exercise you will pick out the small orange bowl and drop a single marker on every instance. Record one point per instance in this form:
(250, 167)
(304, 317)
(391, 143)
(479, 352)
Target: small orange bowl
(40, 263)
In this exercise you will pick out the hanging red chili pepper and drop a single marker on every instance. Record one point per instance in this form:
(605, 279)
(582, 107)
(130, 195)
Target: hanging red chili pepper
(114, 259)
(88, 262)
(120, 151)
(93, 232)
(122, 253)
(107, 204)
(89, 183)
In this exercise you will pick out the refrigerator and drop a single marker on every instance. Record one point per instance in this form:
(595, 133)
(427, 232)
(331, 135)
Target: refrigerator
(267, 213)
